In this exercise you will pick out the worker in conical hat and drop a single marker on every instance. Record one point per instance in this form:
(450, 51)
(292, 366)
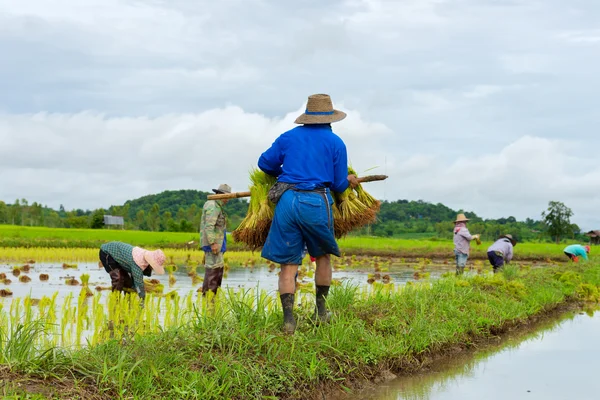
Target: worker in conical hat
(462, 242)
(127, 265)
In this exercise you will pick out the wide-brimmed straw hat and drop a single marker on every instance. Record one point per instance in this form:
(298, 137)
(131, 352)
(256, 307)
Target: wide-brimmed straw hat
(319, 110)
(156, 259)
(223, 189)
(509, 237)
(461, 218)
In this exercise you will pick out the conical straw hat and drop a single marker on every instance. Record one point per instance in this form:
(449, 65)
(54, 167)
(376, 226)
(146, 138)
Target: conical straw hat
(319, 110)
(509, 237)
(461, 218)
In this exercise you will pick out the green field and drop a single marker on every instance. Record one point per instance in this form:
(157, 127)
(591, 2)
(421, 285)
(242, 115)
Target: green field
(237, 350)
(19, 236)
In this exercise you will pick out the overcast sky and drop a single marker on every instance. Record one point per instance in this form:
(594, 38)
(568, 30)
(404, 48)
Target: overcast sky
(485, 105)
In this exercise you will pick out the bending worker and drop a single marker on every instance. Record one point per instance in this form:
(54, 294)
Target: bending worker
(127, 265)
(309, 162)
(575, 251)
(501, 252)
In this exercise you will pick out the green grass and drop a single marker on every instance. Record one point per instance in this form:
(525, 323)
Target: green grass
(239, 352)
(443, 248)
(23, 236)
(18, 236)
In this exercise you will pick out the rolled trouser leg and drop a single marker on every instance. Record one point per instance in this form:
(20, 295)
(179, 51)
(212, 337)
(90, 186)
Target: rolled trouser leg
(287, 304)
(213, 277)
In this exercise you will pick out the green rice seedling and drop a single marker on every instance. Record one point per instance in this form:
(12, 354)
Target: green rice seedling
(197, 280)
(85, 280)
(153, 286)
(254, 228)
(192, 269)
(510, 272)
(71, 281)
(171, 270)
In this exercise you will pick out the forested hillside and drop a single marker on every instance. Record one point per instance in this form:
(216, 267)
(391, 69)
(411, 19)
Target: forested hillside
(180, 211)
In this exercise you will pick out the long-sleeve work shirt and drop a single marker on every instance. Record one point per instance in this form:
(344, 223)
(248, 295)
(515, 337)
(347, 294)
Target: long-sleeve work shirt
(309, 156)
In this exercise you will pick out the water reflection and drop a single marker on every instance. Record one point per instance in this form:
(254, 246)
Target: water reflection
(557, 361)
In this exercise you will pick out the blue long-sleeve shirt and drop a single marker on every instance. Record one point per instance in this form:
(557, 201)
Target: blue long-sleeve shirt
(310, 156)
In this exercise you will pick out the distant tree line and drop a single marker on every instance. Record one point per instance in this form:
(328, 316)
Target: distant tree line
(181, 210)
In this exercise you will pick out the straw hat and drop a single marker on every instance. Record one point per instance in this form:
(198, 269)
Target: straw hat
(156, 259)
(222, 189)
(461, 218)
(509, 237)
(319, 110)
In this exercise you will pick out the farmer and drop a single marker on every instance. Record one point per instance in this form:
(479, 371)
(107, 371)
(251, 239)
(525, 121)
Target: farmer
(575, 251)
(213, 239)
(462, 242)
(501, 252)
(127, 265)
(309, 162)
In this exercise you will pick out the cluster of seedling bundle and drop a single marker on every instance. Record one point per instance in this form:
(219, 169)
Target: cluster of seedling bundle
(352, 209)
(254, 228)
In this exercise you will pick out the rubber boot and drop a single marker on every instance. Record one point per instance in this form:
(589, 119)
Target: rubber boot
(289, 322)
(321, 313)
(460, 270)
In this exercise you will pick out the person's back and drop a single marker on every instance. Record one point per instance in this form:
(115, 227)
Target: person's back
(502, 245)
(577, 250)
(309, 156)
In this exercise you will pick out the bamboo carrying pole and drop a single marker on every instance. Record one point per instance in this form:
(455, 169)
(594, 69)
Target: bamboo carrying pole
(237, 195)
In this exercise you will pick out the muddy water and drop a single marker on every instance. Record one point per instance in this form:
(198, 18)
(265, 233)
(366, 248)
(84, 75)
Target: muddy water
(558, 362)
(260, 276)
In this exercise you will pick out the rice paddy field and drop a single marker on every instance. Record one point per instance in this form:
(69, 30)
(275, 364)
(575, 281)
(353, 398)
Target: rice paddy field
(64, 334)
(31, 237)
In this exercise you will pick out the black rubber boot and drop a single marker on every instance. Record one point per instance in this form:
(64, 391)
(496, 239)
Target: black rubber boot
(460, 270)
(289, 322)
(321, 313)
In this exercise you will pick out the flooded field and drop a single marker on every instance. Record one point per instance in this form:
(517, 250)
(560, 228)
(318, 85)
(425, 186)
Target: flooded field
(556, 362)
(260, 276)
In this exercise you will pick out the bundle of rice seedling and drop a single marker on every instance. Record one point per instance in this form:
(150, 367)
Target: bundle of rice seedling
(153, 286)
(352, 209)
(254, 228)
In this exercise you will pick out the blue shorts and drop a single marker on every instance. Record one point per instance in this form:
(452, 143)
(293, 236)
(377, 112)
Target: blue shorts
(301, 219)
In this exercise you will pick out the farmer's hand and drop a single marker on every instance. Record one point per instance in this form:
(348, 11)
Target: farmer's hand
(475, 237)
(353, 181)
(215, 248)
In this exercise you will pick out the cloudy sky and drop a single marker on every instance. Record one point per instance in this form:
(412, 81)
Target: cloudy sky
(486, 105)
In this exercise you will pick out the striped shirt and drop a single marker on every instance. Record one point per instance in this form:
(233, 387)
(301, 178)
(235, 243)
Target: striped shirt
(123, 254)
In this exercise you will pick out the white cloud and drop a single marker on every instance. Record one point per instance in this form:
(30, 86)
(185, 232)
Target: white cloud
(455, 106)
(91, 160)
